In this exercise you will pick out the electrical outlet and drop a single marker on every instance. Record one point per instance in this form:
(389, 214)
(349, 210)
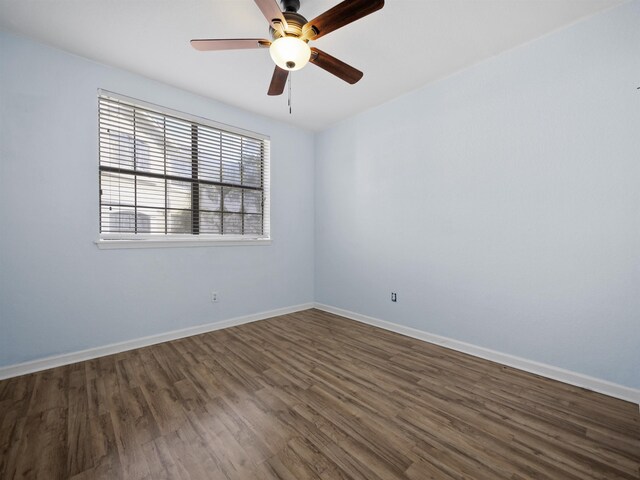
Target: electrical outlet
(394, 297)
(214, 297)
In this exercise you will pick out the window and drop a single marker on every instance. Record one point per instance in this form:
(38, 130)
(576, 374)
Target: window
(165, 175)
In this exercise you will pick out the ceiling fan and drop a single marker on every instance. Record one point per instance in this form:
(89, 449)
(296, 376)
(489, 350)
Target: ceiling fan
(291, 32)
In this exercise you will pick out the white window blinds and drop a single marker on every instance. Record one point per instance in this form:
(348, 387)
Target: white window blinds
(163, 173)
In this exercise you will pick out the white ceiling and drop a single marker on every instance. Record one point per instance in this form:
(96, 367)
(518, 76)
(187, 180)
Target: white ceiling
(407, 44)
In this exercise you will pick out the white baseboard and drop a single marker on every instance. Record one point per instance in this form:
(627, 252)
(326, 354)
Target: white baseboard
(549, 371)
(74, 357)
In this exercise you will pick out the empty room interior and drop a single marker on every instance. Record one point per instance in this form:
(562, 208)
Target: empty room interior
(265, 239)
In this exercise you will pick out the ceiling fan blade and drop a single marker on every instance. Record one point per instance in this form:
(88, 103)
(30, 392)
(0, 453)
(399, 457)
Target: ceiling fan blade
(229, 44)
(278, 81)
(272, 13)
(342, 14)
(337, 67)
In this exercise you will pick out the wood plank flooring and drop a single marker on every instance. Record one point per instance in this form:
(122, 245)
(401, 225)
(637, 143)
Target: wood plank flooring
(308, 396)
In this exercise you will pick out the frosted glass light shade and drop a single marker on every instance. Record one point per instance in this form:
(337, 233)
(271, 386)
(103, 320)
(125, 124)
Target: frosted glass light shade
(290, 53)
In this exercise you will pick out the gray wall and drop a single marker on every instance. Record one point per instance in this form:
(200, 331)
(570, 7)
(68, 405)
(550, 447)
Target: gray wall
(502, 204)
(58, 292)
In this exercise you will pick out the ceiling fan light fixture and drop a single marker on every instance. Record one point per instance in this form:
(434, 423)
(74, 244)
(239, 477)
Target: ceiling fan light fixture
(290, 53)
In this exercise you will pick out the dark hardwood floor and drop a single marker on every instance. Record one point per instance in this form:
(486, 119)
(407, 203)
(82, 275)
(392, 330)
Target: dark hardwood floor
(308, 395)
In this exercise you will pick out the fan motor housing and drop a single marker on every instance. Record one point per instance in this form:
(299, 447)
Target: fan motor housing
(295, 22)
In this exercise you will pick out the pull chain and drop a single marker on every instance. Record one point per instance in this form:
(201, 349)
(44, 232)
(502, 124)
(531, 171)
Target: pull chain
(289, 103)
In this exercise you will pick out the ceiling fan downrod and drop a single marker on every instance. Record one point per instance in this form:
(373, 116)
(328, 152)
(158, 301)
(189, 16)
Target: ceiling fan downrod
(290, 5)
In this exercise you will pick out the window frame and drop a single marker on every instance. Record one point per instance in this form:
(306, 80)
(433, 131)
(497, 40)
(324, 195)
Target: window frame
(155, 240)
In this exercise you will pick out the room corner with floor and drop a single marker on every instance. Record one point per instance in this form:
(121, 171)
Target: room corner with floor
(407, 250)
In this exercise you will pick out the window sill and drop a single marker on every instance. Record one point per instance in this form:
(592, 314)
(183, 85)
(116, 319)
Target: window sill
(104, 244)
